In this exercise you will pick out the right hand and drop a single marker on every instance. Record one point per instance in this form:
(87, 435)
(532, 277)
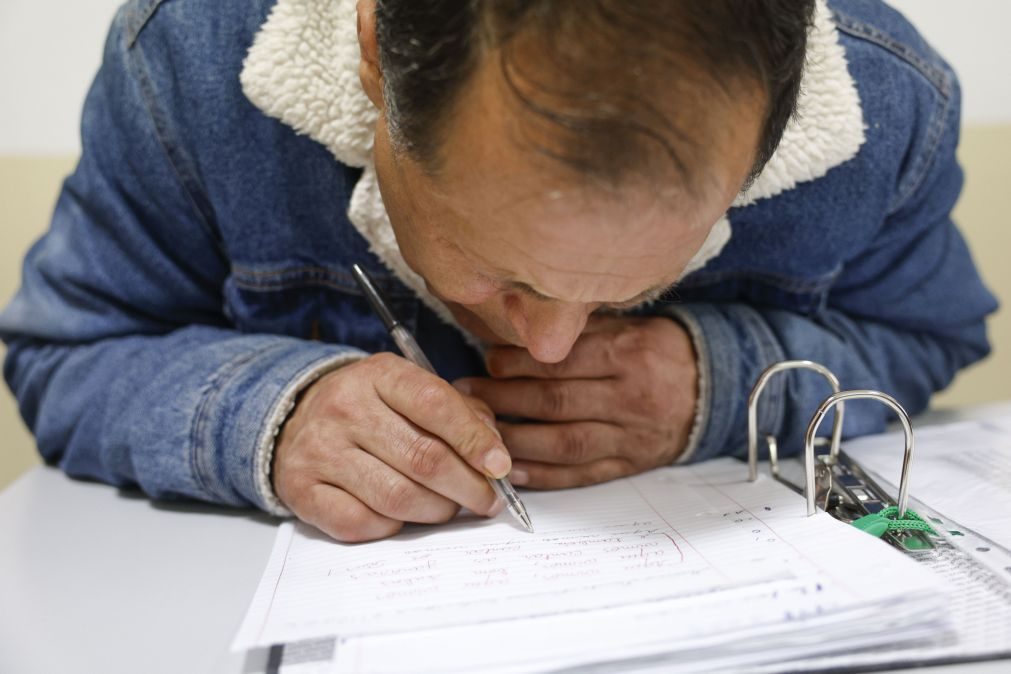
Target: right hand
(381, 442)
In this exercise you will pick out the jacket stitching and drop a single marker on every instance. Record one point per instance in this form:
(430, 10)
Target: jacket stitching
(942, 82)
(935, 134)
(935, 75)
(201, 418)
(307, 276)
(137, 16)
(189, 184)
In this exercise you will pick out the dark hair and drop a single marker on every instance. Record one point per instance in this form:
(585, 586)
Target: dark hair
(598, 67)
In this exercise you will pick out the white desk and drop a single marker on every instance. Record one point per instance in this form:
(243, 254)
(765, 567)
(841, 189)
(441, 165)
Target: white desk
(93, 579)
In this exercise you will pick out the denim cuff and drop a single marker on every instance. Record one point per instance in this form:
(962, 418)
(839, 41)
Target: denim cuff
(242, 410)
(734, 345)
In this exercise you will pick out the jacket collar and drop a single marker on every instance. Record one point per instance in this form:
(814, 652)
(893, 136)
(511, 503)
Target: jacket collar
(302, 69)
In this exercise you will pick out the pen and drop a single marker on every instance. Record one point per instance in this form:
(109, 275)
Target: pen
(412, 352)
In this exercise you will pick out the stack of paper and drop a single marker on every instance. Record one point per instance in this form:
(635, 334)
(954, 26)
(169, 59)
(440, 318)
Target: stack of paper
(961, 474)
(691, 565)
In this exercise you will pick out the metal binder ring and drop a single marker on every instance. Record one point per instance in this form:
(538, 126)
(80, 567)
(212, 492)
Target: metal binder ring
(829, 403)
(756, 391)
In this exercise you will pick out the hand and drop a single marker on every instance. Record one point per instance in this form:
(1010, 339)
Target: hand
(622, 402)
(381, 442)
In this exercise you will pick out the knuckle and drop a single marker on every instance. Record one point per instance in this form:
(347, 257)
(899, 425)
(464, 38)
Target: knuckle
(398, 499)
(555, 399)
(574, 446)
(354, 524)
(425, 456)
(431, 395)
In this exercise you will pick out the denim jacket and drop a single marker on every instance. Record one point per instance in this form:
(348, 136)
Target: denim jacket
(195, 276)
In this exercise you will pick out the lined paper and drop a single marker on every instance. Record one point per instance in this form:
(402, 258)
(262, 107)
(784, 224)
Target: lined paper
(697, 535)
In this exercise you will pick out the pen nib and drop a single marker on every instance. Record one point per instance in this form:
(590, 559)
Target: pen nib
(525, 519)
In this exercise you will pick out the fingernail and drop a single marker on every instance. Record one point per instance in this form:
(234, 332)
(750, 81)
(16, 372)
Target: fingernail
(497, 508)
(519, 477)
(462, 386)
(497, 463)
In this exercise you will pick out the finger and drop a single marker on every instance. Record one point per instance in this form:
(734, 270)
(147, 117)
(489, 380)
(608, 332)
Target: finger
(434, 405)
(607, 320)
(592, 357)
(536, 475)
(482, 410)
(549, 399)
(341, 516)
(430, 462)
(564, 443)
(387, 491)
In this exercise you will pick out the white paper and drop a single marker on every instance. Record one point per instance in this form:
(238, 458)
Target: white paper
(697, 535)
(962, 470)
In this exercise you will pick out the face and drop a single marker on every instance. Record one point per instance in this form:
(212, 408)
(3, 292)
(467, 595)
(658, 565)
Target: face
(519, 248)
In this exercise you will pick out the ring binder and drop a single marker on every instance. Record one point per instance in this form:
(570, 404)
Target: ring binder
(756, 392)
(834, 481)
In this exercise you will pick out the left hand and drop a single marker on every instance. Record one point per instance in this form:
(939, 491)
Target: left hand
(622, 402)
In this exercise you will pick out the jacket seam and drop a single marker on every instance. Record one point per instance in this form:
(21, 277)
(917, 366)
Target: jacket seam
(306, 276)
(188, 183)
(201, 417)
(137, 16)
(935, 134)
(932, 73)
(936, 76)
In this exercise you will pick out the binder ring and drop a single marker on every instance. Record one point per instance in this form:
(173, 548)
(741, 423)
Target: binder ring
(756, 392)
(837, 399)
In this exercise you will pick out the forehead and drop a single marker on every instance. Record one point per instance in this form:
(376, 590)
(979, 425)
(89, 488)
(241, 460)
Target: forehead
(506, 202)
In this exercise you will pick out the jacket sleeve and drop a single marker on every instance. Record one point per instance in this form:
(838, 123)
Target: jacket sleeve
(904, 315)
(118, 350)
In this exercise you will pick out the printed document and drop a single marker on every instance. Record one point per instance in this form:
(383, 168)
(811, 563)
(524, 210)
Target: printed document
(667, 561)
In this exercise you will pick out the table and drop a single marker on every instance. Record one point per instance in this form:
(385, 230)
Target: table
(95, 579)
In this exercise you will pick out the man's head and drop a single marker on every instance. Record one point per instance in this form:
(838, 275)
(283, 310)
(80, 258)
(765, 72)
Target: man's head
(542, 159)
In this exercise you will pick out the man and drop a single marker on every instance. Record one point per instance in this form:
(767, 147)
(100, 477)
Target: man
(519, 176)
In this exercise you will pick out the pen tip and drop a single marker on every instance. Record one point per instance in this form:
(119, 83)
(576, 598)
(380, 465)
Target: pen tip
(527, 523)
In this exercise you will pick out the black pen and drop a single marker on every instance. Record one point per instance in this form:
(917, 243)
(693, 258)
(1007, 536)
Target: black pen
(412, 352)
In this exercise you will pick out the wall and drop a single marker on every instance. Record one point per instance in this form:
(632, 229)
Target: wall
(48, 57)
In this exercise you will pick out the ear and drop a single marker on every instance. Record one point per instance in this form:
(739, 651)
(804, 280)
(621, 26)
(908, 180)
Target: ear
(368, 68)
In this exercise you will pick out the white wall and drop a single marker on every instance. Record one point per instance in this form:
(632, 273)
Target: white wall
(973, 36)
(50, 51)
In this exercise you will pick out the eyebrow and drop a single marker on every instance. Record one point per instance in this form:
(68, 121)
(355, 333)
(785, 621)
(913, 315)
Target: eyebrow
(654, 293)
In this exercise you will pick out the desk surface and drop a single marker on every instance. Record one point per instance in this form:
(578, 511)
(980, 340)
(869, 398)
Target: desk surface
(93, 579)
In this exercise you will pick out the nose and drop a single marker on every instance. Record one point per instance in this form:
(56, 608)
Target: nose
(549, 330)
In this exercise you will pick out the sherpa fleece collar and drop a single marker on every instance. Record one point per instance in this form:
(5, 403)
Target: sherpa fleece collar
(302, 69)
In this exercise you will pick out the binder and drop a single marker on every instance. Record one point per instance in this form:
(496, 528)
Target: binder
(834, 481)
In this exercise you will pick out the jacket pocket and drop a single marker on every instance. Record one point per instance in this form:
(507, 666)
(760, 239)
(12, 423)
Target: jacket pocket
(314, 302)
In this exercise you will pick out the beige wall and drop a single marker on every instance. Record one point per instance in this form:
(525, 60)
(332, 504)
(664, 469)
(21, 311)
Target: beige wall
(29, 186)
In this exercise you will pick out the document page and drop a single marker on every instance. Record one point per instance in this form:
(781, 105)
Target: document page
(962, 470)
(673, 534)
